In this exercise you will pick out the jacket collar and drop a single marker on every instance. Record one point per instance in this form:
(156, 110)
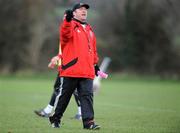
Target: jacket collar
(80, 21)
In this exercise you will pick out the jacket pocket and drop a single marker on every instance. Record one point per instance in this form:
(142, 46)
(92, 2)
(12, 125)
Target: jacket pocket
(69, 64)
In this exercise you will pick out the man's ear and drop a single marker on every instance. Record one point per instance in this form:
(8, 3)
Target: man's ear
(74, 13)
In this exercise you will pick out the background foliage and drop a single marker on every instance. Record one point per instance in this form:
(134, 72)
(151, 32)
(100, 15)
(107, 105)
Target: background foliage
(140, 36)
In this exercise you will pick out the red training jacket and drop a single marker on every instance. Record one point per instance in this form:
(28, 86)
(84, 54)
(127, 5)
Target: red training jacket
(78, 47)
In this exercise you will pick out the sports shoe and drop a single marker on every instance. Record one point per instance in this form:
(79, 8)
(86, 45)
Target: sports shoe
(92, 126)
(78, 117)
(41, 113)
(55, 123)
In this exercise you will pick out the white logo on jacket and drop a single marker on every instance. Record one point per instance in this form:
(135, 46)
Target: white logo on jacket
(78, 31)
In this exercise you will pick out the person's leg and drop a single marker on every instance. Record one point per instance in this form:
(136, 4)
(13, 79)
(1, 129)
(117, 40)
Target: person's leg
(86, 98)
(45, 112)
(85, 89)
(76, 97)
(66, 90)
(57, 85)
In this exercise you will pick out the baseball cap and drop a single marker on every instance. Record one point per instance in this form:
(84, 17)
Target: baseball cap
(78, 5)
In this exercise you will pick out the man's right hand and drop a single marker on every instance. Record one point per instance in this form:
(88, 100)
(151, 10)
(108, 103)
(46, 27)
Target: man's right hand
(69, 15)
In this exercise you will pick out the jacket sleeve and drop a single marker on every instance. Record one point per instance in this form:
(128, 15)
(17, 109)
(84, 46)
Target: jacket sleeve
(96, 58)
(65, 31)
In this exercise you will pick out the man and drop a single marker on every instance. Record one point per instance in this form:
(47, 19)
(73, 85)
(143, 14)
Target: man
(78, 69)
(48, 110)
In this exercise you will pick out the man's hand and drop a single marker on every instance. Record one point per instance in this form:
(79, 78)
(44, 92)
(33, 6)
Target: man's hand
(56, 60)
(96, 67)
(69, 15)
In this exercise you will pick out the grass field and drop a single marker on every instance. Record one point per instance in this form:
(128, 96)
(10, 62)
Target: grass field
(123, 105)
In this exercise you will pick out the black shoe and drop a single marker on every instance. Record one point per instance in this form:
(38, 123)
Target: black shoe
(55, 123)
(92, 126)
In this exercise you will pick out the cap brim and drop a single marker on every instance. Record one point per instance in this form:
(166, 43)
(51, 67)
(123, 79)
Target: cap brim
(85, 5)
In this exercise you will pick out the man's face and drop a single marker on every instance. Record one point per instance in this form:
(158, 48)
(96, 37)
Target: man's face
(80, 14)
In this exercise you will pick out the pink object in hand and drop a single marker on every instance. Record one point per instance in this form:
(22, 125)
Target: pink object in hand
(102, 74)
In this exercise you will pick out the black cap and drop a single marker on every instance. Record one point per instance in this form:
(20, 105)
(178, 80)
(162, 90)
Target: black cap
(78, 5)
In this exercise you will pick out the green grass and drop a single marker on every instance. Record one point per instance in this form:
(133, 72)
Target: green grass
(123, 105)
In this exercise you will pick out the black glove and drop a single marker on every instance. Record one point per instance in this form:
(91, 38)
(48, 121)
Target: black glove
(96, 68)
(69, 15)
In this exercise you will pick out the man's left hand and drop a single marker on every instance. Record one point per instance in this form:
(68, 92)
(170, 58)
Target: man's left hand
(96, 67)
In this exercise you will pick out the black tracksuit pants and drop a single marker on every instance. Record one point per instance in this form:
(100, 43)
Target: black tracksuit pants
(55, 93)
(85, 92)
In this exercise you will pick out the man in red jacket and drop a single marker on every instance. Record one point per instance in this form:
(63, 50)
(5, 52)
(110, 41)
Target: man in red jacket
(78, 68)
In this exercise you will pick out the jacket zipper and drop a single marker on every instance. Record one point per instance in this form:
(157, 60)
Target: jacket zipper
(88, 38)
